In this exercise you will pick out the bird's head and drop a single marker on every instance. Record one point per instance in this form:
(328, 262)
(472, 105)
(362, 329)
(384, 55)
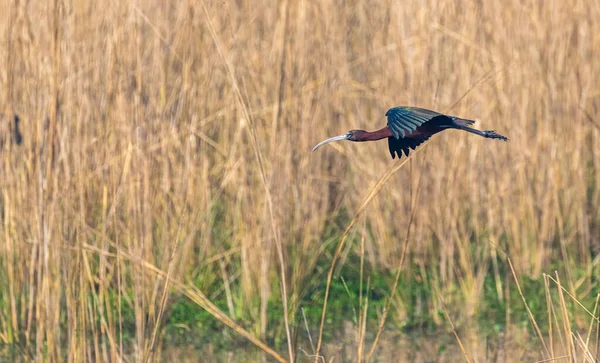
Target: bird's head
(352, 135)
(356, 135)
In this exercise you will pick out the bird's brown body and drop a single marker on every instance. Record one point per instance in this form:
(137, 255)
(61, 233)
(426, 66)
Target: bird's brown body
(386, 132)
(408, 127)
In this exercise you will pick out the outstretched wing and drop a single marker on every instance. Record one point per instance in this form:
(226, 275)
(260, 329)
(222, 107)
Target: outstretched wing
(405, 144)
(403, 120)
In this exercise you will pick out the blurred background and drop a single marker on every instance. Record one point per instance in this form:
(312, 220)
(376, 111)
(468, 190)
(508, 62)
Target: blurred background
(165, 191)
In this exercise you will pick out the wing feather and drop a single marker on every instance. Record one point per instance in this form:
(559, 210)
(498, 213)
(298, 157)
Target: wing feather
(403, 119)
(395, 128)
(397, 146)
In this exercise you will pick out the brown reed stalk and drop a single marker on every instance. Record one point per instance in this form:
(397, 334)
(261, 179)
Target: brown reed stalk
(531, 317)
(369, 197)
(399, 270)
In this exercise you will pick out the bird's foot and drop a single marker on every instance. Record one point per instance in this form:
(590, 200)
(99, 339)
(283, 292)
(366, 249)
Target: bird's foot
(491, 134)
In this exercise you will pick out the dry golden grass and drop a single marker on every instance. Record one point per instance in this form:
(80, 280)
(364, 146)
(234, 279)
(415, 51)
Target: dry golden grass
(161, 138)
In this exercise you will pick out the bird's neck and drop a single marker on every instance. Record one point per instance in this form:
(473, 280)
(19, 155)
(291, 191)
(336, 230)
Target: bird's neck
(373, 135)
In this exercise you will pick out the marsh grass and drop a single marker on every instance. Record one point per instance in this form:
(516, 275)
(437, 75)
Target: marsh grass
(166, 154)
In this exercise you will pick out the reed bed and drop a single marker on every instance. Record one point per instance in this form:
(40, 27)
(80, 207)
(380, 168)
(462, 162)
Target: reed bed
(166, 152)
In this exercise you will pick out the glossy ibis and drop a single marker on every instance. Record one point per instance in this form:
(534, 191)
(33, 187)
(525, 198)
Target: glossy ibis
(409, 127)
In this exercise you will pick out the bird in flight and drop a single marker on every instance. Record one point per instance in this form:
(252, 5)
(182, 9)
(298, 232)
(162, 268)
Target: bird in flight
(409, 127)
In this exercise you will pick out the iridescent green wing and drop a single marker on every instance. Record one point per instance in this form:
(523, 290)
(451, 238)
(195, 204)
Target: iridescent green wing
(403, 120)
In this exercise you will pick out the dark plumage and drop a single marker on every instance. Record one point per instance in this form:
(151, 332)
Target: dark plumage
(404, 119)
(409, 127)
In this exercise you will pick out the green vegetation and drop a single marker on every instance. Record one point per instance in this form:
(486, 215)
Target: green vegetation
(165, 194)
(186, 324)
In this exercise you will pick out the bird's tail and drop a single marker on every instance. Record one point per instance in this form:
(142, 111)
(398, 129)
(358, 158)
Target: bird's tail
(463, 122)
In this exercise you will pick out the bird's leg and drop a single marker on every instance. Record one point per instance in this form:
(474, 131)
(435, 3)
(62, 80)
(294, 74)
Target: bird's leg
(490, 134)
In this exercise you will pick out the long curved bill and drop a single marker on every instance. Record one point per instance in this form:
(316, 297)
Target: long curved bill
(335, 138)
